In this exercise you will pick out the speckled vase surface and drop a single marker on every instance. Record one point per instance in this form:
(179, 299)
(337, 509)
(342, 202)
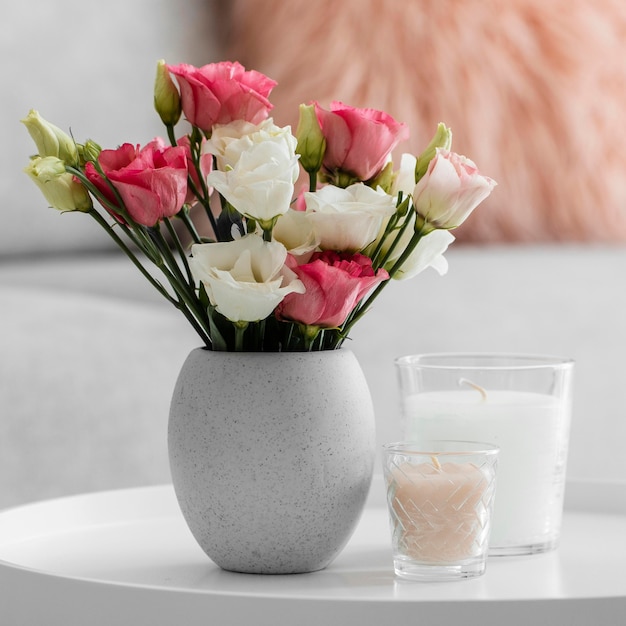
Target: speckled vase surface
(271, 456)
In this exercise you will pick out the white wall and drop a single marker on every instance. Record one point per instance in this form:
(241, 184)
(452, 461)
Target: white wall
(88, 67)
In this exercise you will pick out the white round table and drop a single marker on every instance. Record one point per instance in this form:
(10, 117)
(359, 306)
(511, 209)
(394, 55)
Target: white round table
(127, 558)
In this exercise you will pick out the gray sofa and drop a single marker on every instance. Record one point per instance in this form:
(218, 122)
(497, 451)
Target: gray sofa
(89, 354)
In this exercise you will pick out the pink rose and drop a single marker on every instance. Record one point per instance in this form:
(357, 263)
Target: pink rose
(206, 165)
(220, 93)
(450, 190)
(151, 181)
(358, 141)
(335, 283)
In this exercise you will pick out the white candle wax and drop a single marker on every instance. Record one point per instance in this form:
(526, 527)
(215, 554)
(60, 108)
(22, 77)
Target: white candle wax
(440, 511)
(528, 428)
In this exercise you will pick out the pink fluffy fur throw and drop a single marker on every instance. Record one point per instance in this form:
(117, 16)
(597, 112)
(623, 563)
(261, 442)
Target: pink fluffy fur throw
(534, 91)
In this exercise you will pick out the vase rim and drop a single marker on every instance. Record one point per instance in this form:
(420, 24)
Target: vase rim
(273, 353)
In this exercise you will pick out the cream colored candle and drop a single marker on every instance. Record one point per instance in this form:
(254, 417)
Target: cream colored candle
(440, 510)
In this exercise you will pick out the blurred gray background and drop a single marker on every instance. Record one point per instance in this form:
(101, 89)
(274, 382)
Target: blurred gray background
(89, 355)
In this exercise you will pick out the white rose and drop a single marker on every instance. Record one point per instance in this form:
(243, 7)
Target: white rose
(245, 279)
(257, 168)
(225, 139)
(295, 231)
(348, 219)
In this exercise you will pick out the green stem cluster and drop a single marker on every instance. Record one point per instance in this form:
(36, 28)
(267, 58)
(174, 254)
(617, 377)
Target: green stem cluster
(421, 229)
(170, 259)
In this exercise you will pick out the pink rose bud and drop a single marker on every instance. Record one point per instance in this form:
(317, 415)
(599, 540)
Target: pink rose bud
(358, 141)
(450, 190)
(335, 283)
(151, 181)
(220, 93)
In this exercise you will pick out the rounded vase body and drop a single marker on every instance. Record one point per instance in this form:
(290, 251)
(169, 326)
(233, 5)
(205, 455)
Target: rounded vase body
(271, 456)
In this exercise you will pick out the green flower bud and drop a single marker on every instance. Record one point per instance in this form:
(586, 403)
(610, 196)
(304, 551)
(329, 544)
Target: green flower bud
(89, 151)
(311, 141)
(442, 139)
(62, 190)
(50, 140)
(166, 96)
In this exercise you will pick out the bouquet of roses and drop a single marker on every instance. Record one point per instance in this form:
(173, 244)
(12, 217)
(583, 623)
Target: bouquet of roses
(283, 268)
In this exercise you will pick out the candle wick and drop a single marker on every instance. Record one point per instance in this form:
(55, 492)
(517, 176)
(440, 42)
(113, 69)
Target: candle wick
(435, 462)
(481, 391)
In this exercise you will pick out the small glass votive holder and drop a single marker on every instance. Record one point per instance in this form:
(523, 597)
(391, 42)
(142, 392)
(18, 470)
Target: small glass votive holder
(440, 497)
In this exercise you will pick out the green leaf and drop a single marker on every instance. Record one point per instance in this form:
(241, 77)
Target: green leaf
(217, 339)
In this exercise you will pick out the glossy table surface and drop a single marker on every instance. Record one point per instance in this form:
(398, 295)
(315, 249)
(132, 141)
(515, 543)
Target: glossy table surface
(126, 557)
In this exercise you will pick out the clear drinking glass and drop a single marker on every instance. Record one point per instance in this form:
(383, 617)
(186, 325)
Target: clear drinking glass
(440, 498)
(521, 403)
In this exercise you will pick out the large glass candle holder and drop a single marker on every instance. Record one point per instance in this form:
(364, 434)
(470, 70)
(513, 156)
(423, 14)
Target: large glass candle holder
(521, 403)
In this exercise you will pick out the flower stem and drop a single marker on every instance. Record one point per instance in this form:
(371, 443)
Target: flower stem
(187, 301)
(240, 329)
(179, 248)
(396, 241)
(120, 243)
(171, 135)
(309, 334)
(183, 214)
(202, 194)
(361, 309)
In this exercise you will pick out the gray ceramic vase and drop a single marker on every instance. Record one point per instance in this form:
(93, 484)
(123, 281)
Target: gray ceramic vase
(271, 456)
